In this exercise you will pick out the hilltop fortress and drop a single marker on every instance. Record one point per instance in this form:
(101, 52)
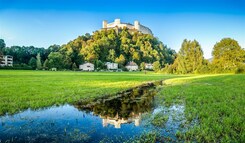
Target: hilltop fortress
(117, 24)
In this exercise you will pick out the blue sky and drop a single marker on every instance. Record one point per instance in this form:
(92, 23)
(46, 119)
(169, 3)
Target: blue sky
(42, 23)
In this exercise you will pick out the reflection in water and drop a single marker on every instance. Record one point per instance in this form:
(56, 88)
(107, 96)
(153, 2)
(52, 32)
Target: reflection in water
(82, 123)
(126, 108)
(118, 121)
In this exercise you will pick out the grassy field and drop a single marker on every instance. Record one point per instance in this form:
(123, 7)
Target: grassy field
(215, 102)
(20, 90)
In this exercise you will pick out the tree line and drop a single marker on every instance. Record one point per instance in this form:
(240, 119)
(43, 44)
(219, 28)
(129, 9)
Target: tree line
(119, 46)
(227, 56)
(124, 45)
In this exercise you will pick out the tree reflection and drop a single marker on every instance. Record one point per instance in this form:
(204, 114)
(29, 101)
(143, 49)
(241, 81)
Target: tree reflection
(126, 108)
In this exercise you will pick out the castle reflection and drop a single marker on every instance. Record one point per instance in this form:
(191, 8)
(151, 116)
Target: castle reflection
(124, 108)
(117, 121)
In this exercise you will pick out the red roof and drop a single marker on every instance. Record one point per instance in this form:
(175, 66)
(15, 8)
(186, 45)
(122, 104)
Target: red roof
(131, 64)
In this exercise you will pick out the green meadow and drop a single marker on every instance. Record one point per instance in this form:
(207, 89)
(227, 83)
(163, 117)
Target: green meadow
(214, 104)
(20, 90)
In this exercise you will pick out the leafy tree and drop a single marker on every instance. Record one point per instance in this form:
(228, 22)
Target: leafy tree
(33, 63)
(2, 46)
(156, 66)
(116, 46)
(136, 56)
(22, 55)
(39, 64)
(45, 64)
(167, 69)
(120, 60)
(112, 45)
(55, 60)
(112, 55)
(99, 65)
(227, 55)
(190, 57)
(142, 66)
(74, 66)
(53, 48)
(91, 52)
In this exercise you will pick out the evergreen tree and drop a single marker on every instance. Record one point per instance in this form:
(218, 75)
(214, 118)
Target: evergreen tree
(74, 66)
(190, 58)
(156, 66)
(142, 66)
(39, 64)
(45, 64)
(33, 63)
(2, 46)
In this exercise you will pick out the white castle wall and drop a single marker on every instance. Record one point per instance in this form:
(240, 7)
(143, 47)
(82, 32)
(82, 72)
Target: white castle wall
(117, 23)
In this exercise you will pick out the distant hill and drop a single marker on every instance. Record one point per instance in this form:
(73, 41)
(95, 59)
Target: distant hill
(113, 45)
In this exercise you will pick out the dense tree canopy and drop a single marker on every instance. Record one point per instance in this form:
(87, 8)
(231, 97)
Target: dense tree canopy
(227, 55)
(122, 46)
(2, 44)
(156, 66)
(32, 63)
(190, 58)
(22, 55)
(55, 60)
(116, 46)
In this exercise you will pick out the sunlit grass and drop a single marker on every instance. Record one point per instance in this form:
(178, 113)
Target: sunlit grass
(217, 102)
(20, 90)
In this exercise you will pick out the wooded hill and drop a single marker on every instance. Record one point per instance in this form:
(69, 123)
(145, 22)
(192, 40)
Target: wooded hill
(123, 45)
(113, 46)
(119, 46)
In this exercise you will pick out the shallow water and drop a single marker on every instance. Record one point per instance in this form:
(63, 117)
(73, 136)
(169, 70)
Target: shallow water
(116, 119)
(62, 124)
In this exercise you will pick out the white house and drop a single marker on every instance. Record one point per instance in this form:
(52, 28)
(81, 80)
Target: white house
(86, 67)
(6, 60)
(111, 66)
(132, 66)
(148, 66)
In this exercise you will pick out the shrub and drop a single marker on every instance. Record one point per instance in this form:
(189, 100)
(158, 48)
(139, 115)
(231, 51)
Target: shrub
(240, 69)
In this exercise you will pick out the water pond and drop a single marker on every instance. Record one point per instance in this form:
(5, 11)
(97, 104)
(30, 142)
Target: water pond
(119, 118)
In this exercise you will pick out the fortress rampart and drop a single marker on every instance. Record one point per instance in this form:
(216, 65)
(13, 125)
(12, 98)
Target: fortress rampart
(117, 24)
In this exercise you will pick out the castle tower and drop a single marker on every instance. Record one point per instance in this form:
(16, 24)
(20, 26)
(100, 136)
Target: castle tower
(117, 21)
(137, 122)
(104, 122)
(137, 25)
(117, 25)
(104, 24)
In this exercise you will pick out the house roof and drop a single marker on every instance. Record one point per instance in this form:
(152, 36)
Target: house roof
(107, 63)
(131, 64)
(86, 63)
